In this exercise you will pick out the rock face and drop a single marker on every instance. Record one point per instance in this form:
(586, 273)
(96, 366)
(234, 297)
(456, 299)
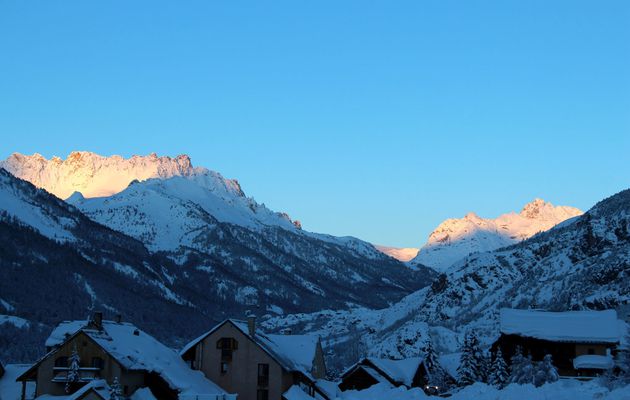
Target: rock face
(455, 239)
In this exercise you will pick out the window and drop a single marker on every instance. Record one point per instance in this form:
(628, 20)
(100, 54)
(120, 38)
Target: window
(61, 362)
(262, 394)
(591, 351)
(98, 362)
(263, 374)
(224, 368)
(227, 346)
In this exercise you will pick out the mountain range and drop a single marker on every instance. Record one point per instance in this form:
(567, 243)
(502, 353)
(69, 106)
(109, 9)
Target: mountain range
(582, 263)
(176, 248)
(192, 240)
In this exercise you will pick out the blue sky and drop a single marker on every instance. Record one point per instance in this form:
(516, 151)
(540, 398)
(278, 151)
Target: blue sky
(372, 119)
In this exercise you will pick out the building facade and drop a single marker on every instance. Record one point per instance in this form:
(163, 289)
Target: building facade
(257, 366)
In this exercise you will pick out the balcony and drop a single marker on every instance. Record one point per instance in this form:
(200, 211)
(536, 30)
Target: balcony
(60, 374)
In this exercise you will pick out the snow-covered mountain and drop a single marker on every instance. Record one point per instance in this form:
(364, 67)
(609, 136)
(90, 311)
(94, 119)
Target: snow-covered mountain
(455, 239)
(403, 254)
(581, 263)
(197, 242)
(96, 176)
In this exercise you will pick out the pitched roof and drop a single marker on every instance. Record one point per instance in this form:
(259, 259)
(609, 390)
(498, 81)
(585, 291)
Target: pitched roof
(568, 326)
(138, 351)
(292, 352)
(399, 372)
(100, 387)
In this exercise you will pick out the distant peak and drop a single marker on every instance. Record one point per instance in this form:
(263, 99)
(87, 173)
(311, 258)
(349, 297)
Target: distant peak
(75, 198)
(533, 208)
(472, 215)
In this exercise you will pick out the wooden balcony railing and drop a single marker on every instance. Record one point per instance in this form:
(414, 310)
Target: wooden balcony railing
(60, 374)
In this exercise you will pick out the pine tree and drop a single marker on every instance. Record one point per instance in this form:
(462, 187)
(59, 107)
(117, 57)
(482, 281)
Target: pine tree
(499, 375)
(545, 372)
(115, 392)
(74, 373)
(437, 376)
(469, 369)
(484, 361)
(430, 357)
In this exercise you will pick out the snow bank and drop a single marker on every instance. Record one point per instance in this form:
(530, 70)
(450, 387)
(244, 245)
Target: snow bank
(561, 390)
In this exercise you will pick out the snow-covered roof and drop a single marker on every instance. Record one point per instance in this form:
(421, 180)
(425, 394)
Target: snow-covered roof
(292, 352)
(399, 371)
(143, 394)
(591, 361)
(99, 386)
(569, 326)
(137, 350)
(10, 389)
(296, 393)
(329, 388)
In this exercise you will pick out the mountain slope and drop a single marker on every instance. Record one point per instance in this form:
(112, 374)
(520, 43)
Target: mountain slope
(455, 239)
(176, 216)
(582, 263)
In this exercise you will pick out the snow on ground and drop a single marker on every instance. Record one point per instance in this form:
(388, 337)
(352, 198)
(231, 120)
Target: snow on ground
(9, 388)
(561, 390)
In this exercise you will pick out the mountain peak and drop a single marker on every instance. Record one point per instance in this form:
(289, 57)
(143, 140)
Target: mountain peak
(96, 176)
(533, 209)
(455, 239)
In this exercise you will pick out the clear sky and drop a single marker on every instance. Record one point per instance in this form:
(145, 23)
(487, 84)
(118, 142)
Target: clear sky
(364, 118)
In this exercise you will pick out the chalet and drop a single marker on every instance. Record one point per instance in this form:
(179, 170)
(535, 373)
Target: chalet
(581, 343)
(409, 373)
(110, 350)
(258, 366)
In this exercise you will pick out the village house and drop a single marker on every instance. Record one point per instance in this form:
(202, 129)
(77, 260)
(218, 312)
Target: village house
(257, 366)
(409, 373)
(109, 351)
(581, 343)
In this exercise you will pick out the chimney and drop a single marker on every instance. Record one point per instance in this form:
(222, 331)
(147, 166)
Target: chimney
(251, 325)
(118, 318)
(97, 320)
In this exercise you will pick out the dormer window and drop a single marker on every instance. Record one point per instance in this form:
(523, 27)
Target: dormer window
(227, 346)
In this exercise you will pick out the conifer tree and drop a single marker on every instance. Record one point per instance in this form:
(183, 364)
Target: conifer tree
(436, 374)
(470, 364)
(545, 372)
(499, 375)
(74, 373)
(115, 392)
